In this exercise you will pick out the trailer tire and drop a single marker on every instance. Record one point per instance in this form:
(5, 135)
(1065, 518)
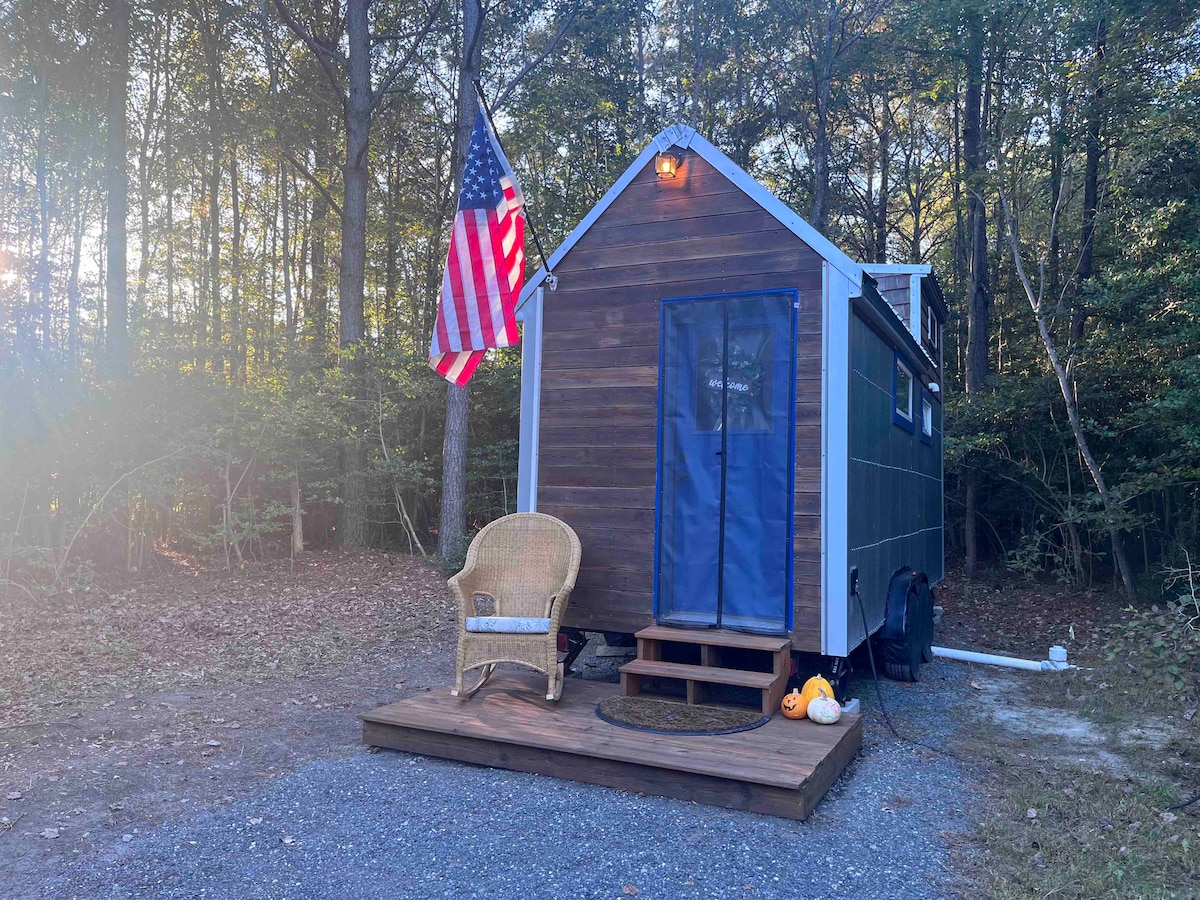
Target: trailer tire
(906, 638)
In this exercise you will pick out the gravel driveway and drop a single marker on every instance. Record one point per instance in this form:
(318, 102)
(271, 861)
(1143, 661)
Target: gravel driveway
(395, 825)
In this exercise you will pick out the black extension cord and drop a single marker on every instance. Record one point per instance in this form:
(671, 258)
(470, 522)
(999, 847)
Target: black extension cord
(879, 691)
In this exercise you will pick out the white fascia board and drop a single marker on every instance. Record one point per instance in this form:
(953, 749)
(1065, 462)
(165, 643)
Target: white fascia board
(530, 316)
(685, 137)
(898, 268)
(835, 463)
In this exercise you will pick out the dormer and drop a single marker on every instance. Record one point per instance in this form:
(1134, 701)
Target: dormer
(915, 295)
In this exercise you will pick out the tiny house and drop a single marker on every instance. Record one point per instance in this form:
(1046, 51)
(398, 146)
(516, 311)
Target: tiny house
(731, 412)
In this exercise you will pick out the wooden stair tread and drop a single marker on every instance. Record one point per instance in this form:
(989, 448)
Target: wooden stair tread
(715, 637)
(707, 674)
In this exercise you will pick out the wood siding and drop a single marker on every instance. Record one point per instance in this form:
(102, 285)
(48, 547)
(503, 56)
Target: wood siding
(896, 290)
(693, 235)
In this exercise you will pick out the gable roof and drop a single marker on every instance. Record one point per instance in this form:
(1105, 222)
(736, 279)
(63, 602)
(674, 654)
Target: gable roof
(686, 138)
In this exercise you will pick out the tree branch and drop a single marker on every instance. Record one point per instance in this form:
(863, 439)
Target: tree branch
(389, 80)
(322, 52)
(112, 487)
(537, 60)
(313, 180)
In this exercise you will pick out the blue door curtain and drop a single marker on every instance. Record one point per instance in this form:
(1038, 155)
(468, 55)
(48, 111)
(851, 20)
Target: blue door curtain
(726, 449)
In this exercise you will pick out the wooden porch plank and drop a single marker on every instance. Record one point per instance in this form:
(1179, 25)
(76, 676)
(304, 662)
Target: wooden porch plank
(511, 711)
(781, 769)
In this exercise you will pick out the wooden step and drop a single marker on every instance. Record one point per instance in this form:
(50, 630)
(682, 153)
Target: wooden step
(715, 637)
(707, 674)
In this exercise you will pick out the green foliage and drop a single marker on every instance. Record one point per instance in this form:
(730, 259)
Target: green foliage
(234, 332)
(1162, 642)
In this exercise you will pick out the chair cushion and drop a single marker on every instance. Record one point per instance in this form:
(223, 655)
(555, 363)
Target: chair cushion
(507, 625)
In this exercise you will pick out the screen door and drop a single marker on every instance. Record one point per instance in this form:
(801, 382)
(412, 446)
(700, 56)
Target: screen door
(726, 442)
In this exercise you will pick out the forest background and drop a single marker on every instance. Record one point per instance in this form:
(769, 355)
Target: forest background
(223, 225)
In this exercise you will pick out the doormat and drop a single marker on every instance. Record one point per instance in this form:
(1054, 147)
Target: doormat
(669, 717)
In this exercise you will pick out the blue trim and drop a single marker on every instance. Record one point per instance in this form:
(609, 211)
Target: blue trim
(658, 442)
(791, 518)
(926, 397)
(899, 360)
(790, 602)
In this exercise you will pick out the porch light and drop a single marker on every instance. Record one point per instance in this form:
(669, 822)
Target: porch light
(666, 164)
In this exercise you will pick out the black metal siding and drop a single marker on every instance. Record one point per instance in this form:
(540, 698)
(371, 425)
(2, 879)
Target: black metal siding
(895, 490)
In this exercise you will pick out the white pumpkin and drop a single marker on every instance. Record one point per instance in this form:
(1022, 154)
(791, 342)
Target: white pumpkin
(824, 710)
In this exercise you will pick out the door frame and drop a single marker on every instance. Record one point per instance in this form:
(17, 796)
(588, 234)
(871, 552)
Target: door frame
(794, 294)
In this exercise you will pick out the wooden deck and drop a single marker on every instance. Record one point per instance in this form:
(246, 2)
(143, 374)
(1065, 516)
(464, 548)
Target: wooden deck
(781, 769)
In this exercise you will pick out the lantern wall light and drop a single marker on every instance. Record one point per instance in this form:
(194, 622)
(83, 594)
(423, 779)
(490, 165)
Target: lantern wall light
(666, 164)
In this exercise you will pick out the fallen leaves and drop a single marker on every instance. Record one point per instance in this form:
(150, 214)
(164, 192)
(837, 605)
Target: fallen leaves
(216, 627)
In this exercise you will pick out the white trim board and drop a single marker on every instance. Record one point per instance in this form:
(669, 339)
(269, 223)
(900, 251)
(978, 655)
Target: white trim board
(898, 268)
(835, 464)
(685, 137)
(530, 316)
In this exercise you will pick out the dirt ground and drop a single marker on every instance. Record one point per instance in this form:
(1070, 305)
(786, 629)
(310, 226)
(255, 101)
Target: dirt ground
(1083, 771)
(1014, 616)
(123, 706)
(130, 704)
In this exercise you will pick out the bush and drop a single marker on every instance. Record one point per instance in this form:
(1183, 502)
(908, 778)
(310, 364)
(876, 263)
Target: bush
(1164, 640)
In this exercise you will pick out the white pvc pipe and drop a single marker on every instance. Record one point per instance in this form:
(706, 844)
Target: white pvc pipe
(1056, 663)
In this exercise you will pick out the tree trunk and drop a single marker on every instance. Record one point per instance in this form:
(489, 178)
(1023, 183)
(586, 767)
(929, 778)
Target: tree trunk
(138, 312)
(390, 324)
(169, 178)
(453, 523)
(237, 342)
(116, 334)
(297, 517)
(43, 269)
(970, 539)
(73, 277)
(822, 87)
(977, 263)
(318, 304)
(978, 300)
(352, 281)
(1091, 193)
(881, 206)
(286, 251)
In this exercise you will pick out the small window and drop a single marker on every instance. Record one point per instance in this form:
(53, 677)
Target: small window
(931, 333)
(926, 418)
(902, 395)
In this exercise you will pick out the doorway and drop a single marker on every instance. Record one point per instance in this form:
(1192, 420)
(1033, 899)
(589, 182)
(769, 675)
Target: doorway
(726, 451)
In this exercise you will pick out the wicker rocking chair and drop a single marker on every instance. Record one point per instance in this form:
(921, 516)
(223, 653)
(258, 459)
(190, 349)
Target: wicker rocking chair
(526, 564)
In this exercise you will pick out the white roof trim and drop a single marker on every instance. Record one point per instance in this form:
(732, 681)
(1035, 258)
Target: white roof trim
(897, 268)
(679, 135)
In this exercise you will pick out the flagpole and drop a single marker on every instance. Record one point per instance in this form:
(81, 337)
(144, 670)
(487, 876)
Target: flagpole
(551, 278)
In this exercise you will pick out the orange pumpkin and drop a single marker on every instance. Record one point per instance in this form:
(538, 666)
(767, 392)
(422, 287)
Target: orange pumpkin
(794, 706)
(814, 688)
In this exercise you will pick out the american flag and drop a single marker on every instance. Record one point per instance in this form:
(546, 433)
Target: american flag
(485, 265)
